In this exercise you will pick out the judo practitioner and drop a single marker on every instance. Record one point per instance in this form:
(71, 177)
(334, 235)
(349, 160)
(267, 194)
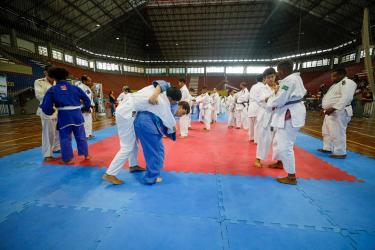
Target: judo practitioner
(215, 105)
(264, 130)
(231, 102)
(150, 130)
(147, 99)
(185, 119)
(205, 107)
(254, 100)
(86, 85)
(242, 100)
(50, 137)
(125, 91)
(337, 112)
(289, 116)
(67, 99)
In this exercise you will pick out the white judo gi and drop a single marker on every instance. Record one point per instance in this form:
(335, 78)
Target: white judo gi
(122, 97)
(50, 136)
(339, 96)
(125, 115)
(264, 131)
(231, 103)
(205, 106)
(242, 99)
(200, 106)
(291, 89)
(185, 119)
(215, 106)
(254, 102)
(87, 116)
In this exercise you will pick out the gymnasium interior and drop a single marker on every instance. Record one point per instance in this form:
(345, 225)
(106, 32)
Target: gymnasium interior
(211, 196)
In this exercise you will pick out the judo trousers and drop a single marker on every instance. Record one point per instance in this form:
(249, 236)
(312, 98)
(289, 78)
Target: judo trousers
(66, 141)
(207, 118)
(252, 131)
(184, 124)
(153, 151)
(128, 146)
(334, 132)
(50, 137)
(231, 118)
(264, 143)
(88, 123)
(282, 146)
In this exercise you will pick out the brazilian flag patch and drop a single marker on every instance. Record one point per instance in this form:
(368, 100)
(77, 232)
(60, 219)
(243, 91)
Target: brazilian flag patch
(285, 88)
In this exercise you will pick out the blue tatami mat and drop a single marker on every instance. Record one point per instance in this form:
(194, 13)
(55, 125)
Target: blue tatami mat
(243, 237)
(146, 231)
(68, 207)
(43, 227)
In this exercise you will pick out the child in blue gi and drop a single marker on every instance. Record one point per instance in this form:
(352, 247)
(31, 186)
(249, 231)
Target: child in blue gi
(150, 129)
(154, 99)
(67, 99)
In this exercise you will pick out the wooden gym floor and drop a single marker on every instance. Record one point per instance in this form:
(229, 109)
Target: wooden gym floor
(24, 132)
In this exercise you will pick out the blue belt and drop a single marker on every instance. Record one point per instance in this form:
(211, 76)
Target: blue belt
(293, 102)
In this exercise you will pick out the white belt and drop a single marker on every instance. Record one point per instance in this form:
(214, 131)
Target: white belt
(69, 108)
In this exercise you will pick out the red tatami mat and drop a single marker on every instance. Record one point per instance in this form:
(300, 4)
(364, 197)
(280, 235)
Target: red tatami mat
(222, 150)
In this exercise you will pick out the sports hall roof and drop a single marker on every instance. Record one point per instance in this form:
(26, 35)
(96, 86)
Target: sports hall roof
(190, 29)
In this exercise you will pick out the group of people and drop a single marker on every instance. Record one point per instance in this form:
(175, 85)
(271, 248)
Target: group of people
(55, 130)
(273, 111)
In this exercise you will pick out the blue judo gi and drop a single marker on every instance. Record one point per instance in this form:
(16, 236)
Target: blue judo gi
(67, 99)
(150, 130)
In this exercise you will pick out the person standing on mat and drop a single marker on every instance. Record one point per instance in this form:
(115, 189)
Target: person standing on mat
(67, 99)
(86, 85)
(215, 105)
(337, 112)
(205, 106)
(150, 129)
(289, 116)
(146, 99)
(50, 136)
(264, 130)
(254, 102)
(231, 102)
(242, 100)
(184, 120)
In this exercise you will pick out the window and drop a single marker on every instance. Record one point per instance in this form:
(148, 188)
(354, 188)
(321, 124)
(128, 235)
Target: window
(82, 62)
(156, 71)
(68, 58)
(5, 39)
(25, 45)
(234, 70)
(176, 71)
(195, 70)
(336, 60)
(57, 55)
(255, 69)
(363, 53)
(134, 69)
(92, 64)
(42, 50)
(215, 69)
(316, 63)
(107, 66)
(348, 58)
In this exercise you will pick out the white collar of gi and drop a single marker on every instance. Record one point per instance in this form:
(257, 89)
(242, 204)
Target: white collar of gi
(289, 77)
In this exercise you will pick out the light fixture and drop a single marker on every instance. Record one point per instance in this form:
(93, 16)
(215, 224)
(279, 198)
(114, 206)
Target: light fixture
(117, 38)
(147, 45)
(97, 25)
(176, 44)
